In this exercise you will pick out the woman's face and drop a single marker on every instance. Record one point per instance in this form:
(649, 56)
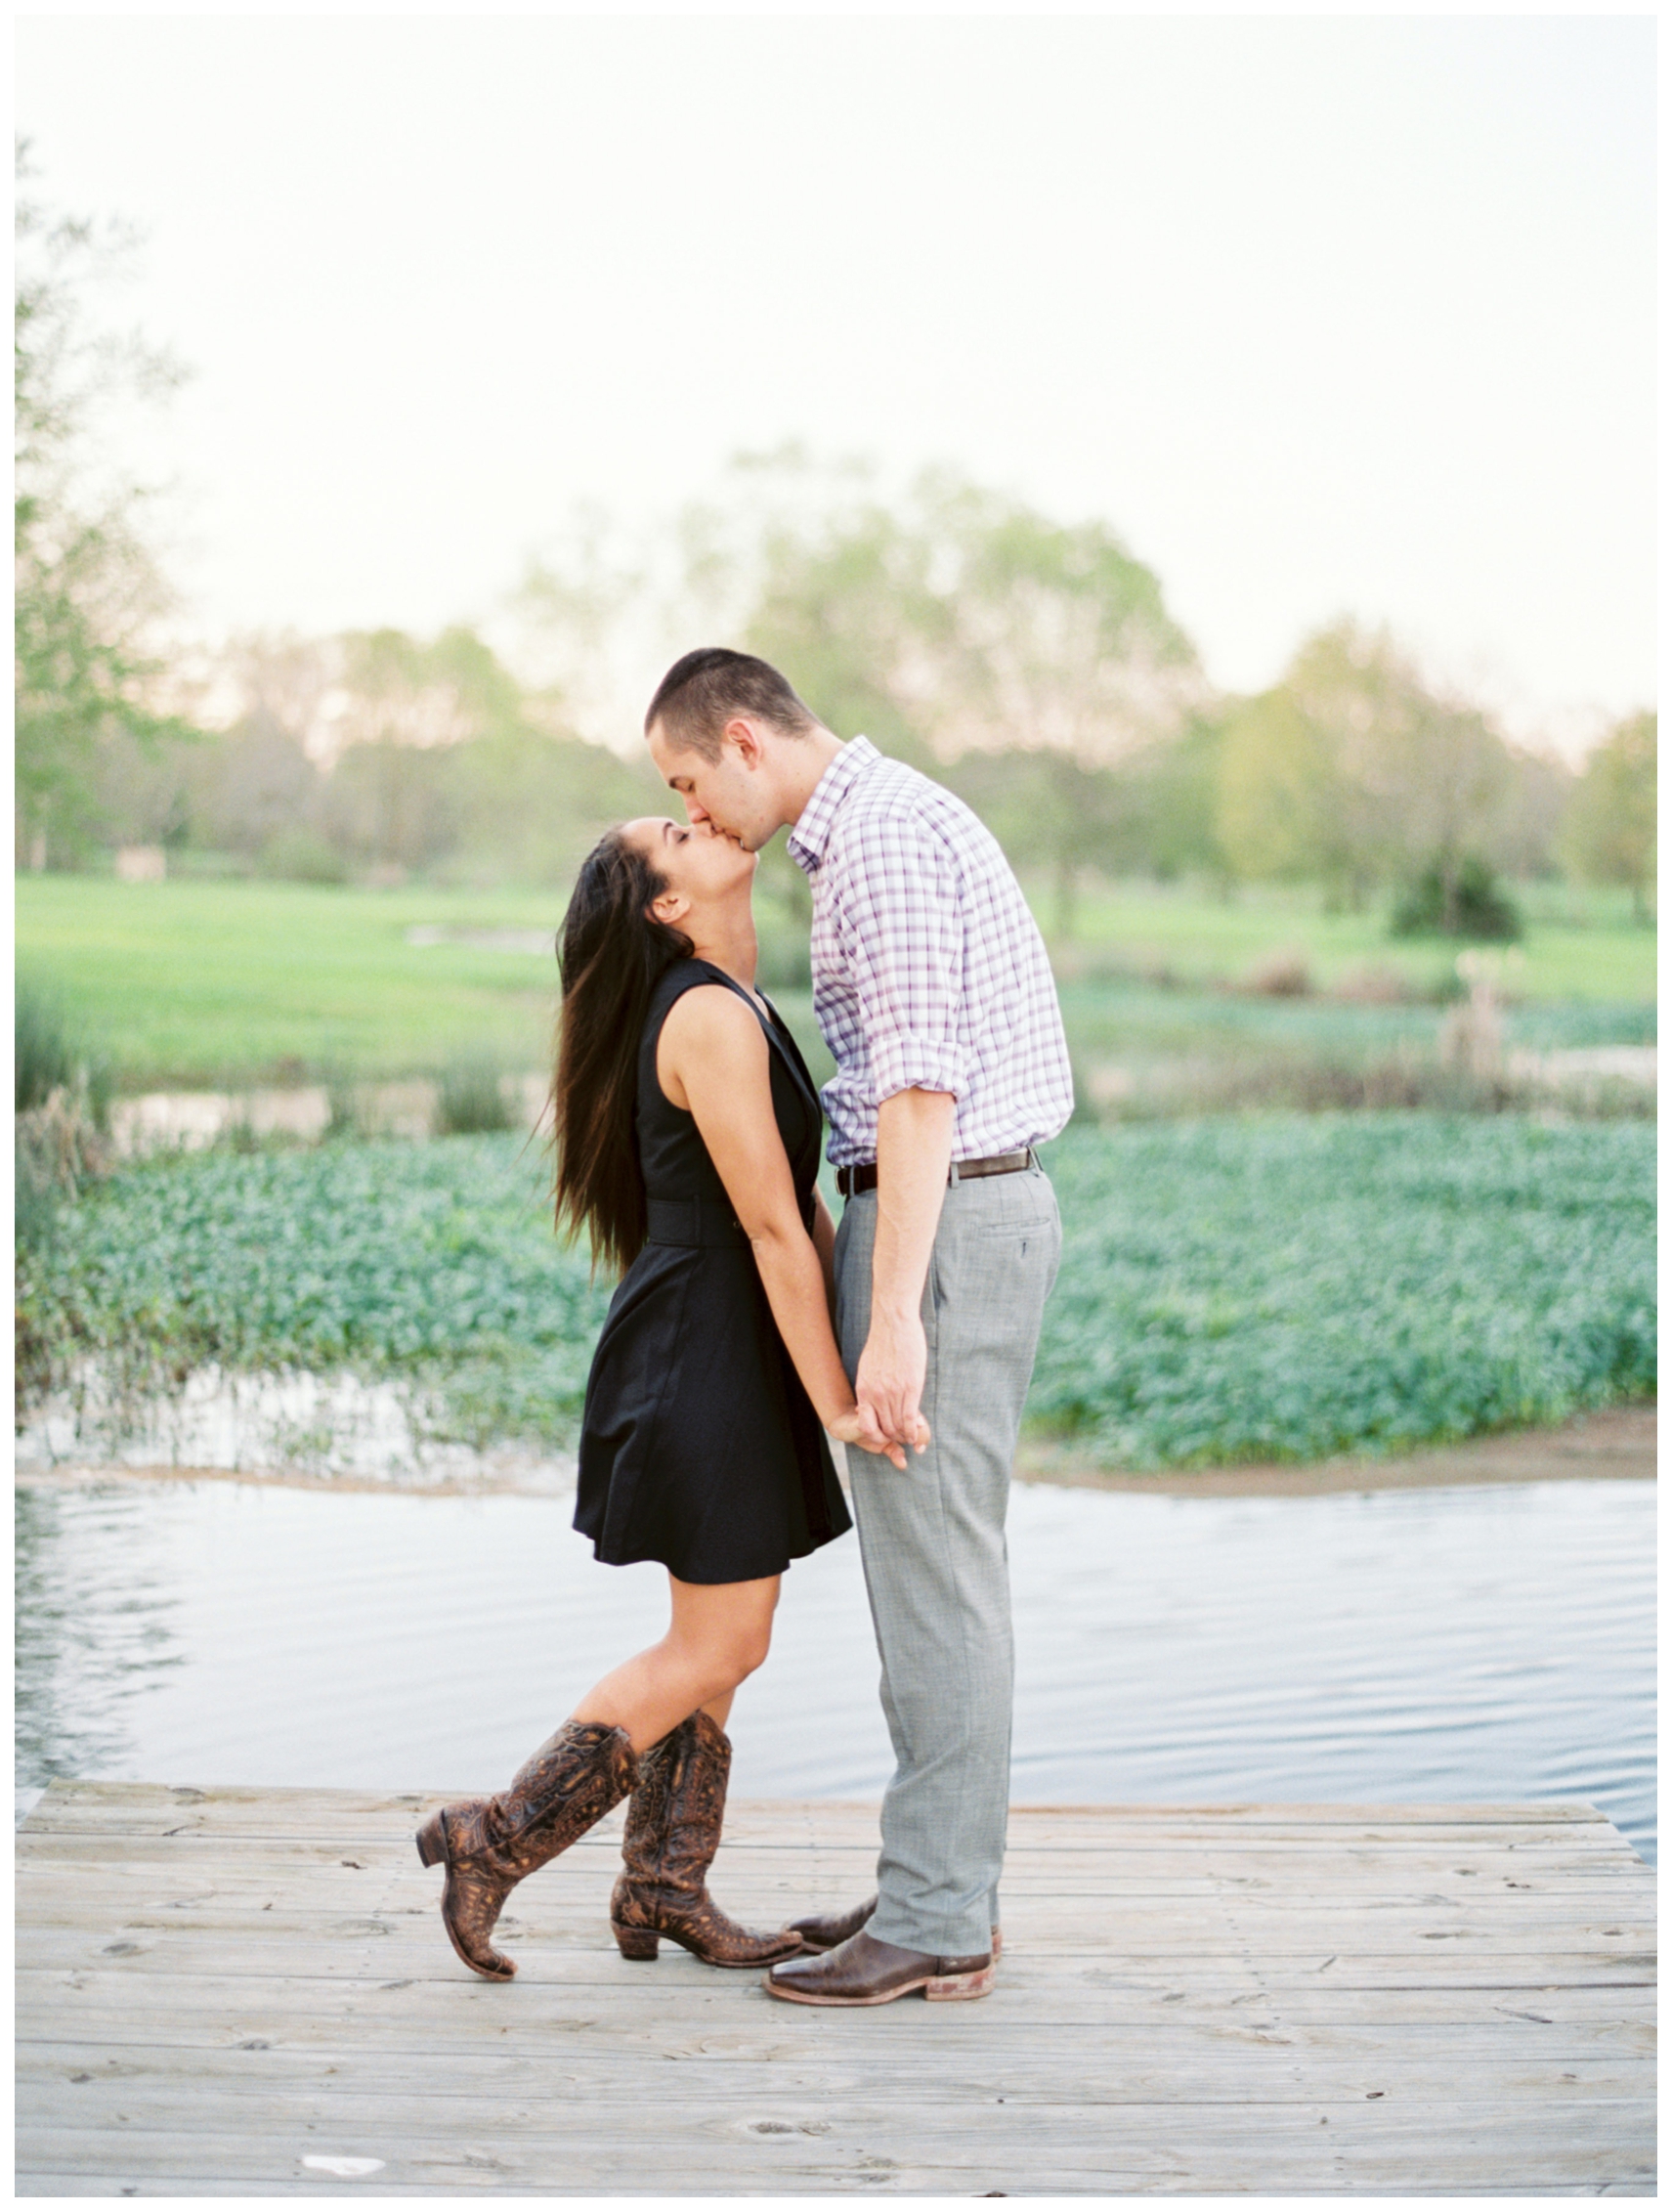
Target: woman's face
(700, 867)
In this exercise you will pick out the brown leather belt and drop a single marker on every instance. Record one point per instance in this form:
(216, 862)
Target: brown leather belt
(864, 1177)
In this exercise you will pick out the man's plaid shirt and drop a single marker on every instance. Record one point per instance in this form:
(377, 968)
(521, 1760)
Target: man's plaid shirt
(928, 971)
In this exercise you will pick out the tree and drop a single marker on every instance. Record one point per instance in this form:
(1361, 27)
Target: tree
(1283, 810)
(1609, 835)
(1353, 772)
(1022, 660)
(251, 786)
(88, 590)
(400, 705)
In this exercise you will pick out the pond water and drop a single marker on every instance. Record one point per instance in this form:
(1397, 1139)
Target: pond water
(1480, 1644)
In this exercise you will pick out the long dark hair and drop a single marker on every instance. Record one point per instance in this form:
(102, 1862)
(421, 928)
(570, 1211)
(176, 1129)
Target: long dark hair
(612, 955)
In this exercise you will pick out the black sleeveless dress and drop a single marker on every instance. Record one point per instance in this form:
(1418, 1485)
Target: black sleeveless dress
(699, 1446)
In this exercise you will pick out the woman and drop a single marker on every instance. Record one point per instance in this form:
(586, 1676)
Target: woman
(688, 1136)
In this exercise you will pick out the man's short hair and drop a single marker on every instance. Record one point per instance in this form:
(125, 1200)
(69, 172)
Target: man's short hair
(703, 690)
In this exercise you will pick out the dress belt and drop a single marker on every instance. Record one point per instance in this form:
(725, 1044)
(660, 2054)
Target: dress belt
(864, 1176)
(692, 1221)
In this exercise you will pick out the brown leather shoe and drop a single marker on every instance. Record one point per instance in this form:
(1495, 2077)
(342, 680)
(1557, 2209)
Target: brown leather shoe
(864, 1971)
(672, 1833)
(823, 1932)
(489, 1845)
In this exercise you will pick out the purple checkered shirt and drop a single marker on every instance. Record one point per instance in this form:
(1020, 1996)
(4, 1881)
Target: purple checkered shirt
(928, 971)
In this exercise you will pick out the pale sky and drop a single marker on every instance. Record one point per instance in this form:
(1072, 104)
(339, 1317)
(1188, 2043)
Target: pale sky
(1322, 314)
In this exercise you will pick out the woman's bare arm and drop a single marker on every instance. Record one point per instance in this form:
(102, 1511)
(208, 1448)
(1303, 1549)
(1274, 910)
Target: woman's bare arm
(823, 1243)
(712, 1060)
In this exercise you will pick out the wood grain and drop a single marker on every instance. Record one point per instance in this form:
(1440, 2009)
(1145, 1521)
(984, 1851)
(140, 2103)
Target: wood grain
(215, 1984)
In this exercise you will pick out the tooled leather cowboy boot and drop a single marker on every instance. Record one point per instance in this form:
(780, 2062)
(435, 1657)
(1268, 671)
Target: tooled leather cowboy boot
(487, 1844)
(823, 1932)
(672, 1833)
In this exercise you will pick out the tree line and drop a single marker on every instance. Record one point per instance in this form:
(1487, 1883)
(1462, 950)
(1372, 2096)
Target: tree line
(1030, 664)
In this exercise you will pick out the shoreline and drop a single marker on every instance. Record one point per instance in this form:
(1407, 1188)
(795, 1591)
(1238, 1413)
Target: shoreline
(1613, 1443)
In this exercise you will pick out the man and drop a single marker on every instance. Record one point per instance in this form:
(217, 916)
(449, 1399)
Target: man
(932, 989)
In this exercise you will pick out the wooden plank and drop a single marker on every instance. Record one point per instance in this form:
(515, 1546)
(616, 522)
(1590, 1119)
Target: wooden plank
(1041, 1866)
(331, 1814)
(140, 1955)
(661, 2014)
(29, 2183)
(703, 2122)
(1068, 2074)
(1405, 1888)
(789, 2152)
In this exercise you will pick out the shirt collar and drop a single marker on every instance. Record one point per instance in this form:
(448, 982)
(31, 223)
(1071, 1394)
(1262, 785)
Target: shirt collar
(816, 821)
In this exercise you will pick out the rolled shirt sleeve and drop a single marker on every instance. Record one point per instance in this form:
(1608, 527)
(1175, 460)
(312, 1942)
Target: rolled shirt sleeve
(904, 926)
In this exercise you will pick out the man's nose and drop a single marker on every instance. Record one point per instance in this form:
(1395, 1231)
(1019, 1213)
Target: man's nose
(695, 811)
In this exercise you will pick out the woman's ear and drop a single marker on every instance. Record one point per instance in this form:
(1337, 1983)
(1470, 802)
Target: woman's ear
(669, 907)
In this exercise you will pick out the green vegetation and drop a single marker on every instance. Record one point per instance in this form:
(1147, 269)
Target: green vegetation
(434, 1263)
(1278, 1287)
(199, 982)
(62, 1096)
(207, 983)
(1290, 1288)
(85, 583)
(1459, 900)
(1578, 945)
(1609, 834)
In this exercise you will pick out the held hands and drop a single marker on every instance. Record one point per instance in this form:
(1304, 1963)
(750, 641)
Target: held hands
(858, 1425)
(889, 1386)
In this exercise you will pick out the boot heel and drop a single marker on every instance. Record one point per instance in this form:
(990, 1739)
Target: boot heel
(636, 1942)
(432, 1841)
(947, 1988)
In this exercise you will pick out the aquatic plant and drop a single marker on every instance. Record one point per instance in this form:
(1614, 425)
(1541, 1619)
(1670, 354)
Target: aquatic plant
(1285, 1286)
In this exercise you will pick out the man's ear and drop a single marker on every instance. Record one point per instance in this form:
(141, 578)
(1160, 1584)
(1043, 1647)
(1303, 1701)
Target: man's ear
(744, 735)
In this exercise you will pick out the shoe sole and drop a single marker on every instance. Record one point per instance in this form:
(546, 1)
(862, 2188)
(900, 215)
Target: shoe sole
(940, 1989)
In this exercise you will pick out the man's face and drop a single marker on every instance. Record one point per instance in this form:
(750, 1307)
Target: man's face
(731, 794)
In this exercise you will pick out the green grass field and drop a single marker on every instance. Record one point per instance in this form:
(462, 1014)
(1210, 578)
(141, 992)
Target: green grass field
(1284, 1286)
(1579, 944)
(194, 984)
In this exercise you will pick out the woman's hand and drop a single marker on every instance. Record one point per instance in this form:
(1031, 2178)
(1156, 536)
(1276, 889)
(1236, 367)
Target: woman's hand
(857, 1425)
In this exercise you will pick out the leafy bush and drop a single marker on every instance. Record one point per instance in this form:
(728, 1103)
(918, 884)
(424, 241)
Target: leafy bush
(1457, 899)
(1279, 1288)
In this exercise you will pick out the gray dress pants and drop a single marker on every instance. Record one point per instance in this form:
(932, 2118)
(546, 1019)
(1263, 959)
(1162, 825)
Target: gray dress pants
(933, 1541)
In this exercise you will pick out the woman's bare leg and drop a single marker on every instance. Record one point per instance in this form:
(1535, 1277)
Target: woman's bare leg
(719, 1634)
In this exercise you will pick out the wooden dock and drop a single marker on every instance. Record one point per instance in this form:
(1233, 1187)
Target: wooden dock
(231, 1992)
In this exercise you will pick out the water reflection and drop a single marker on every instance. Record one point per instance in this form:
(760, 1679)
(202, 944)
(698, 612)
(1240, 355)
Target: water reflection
(91, 1630)
(1466, 1644)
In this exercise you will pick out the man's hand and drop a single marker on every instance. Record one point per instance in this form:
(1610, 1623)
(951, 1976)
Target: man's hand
(859, 1427)
(914, 1143)
(889, 1384)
